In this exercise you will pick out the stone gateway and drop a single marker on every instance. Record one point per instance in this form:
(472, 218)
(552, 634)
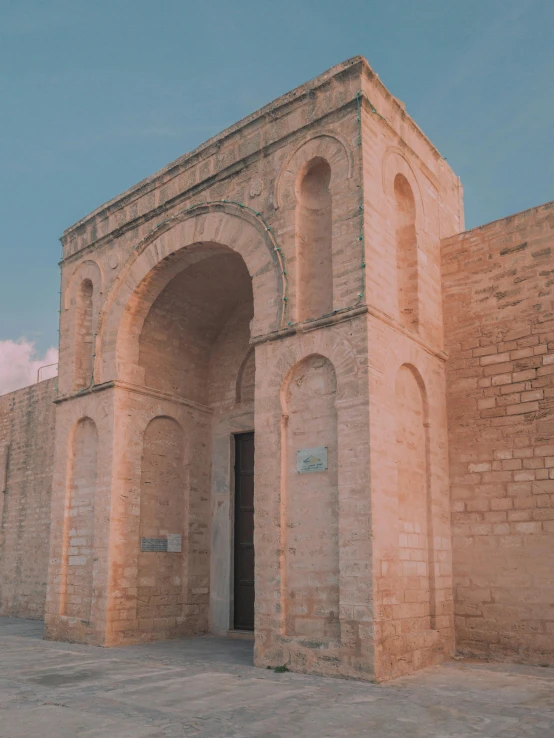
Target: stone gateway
(295, 397)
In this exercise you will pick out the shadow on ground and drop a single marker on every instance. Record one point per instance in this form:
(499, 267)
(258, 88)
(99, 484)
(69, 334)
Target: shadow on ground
(208, 687)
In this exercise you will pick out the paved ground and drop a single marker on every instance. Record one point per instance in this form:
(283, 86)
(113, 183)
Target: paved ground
(207, 687)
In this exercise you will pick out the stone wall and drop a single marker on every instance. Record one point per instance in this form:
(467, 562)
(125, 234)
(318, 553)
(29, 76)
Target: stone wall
(499, 324)
(328, 205)
(26, 459)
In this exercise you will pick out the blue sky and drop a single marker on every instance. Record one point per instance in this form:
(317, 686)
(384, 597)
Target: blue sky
(95, 96)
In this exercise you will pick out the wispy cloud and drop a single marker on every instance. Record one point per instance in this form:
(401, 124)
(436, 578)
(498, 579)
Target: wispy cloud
(19, 364)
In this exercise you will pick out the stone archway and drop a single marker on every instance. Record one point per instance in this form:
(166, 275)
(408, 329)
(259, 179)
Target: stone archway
(179, 242)
(178, 352)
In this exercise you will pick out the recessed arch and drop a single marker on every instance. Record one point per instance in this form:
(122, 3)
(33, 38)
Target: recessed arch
(87, 269)
(81, 299)
(83, 336)
(161, 577)
(314, 245)
(327, 145)
(183, 240)
(79, 534)
(407, 267)
(310, 576)
(416, 547)
(396, 162)
(170, 340)
(338, 351)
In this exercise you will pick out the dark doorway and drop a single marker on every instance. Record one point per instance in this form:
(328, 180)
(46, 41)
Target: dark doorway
(244, 532)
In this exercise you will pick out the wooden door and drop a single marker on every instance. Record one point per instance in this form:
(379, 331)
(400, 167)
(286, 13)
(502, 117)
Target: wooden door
(244, 532)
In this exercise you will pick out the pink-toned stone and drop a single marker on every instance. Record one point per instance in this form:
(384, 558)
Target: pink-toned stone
(302, 275)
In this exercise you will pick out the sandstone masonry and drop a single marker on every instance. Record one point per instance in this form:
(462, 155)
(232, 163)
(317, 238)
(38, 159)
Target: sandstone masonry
(27, 421)
(303, 277)
(499, 323)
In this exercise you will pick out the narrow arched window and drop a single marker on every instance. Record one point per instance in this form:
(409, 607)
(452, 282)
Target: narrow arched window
(83, 335)
(406, 254)
(314, 241)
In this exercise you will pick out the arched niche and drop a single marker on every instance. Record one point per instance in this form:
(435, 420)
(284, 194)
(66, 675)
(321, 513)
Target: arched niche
(186, 322)
(81, 302)
(314, 246)
(396, 162)
(415, 529)
(310, 514)
(327, 145)
(78, 543)
(407, 269)
(323, 163)
(161, 576)
(83, 335)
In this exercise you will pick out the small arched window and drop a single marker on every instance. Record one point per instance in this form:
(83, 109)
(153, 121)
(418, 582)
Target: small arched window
(83, 335)
(314, 241)
(406, 254)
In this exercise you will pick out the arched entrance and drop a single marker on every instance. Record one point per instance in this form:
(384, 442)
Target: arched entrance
(182, 559)
(194, 347)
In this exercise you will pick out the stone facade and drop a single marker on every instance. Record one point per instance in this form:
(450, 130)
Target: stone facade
(27, 420)
(284, 278)
(499, 320)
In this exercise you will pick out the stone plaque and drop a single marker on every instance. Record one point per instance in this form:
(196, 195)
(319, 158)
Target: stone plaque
(311, 460)
(153, 545)
(174, 542)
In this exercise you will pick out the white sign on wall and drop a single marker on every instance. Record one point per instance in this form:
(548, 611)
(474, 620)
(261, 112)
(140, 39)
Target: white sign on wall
(311, 460)
(171, 544)
(174, 543)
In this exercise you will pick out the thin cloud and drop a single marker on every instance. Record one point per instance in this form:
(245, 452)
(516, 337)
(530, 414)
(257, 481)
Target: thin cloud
(19, 364)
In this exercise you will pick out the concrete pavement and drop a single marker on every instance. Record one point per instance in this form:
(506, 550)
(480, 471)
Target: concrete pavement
(206, 687)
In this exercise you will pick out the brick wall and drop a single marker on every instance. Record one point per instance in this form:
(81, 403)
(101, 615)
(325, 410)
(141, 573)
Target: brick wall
(499, 327)
(27, 431)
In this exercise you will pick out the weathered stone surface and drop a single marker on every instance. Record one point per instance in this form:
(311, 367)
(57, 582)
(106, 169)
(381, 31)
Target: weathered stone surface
(26, 460)
(230, 292)
(499, 325)
(207, 687)
(288, 277)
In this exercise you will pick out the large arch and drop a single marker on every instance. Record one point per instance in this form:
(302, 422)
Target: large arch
(180, 348)
(177, 243)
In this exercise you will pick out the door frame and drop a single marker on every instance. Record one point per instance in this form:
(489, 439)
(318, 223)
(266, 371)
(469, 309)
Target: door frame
(233, 508)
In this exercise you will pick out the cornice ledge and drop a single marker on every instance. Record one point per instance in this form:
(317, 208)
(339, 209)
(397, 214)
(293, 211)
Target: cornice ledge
(338, 316)
(393, 323)
(137, 389)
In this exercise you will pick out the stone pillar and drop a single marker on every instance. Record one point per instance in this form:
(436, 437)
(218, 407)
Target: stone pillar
(162, 452)
(345, 647)
(80, 519)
